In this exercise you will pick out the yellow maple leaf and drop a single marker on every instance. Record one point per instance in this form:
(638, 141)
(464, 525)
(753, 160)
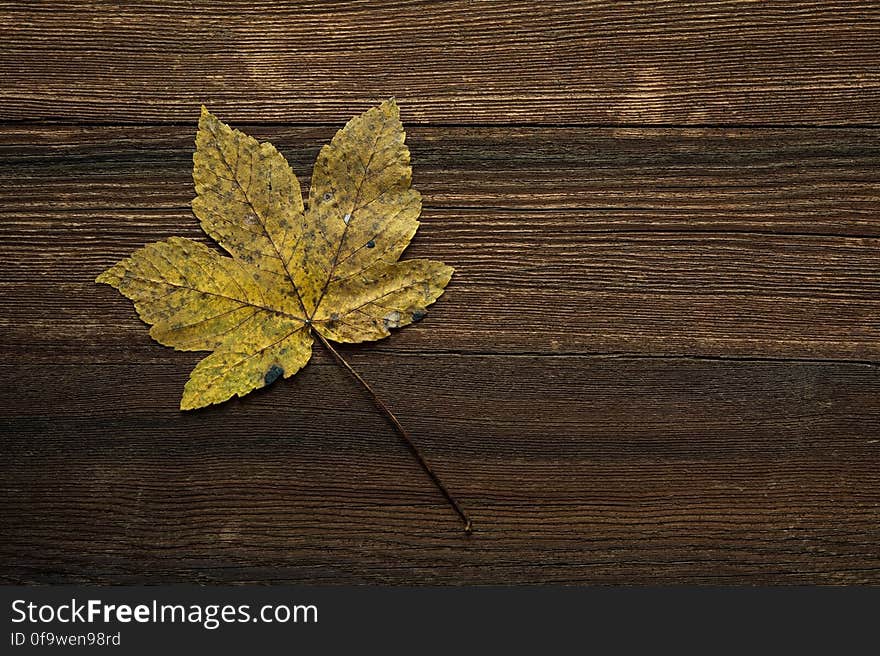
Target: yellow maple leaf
(331, 270)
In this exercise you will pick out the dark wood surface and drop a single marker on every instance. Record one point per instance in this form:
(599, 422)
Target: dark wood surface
(658, 362)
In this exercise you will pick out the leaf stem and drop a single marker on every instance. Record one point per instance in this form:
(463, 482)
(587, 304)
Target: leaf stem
(468, 525)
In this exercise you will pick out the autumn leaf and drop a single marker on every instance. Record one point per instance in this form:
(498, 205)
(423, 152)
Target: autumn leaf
(330, 271)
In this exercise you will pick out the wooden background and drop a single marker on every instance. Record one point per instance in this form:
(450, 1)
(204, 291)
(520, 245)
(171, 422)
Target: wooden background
(657, 362)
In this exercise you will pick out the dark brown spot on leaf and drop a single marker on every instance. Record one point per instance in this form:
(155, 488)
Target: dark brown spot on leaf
(275, 372)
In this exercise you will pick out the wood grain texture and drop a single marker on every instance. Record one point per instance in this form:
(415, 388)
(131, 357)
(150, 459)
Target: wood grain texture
(707, 242)
(720, 472)
(726, 61)
(658, 362)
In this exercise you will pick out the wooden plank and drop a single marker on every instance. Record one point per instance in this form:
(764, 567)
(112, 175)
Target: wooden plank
(576, 62)
(695, 242)
(673, 294)
(575, 468)
(807, 181)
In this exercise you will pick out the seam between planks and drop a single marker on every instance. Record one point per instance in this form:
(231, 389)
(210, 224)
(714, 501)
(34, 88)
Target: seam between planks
(598, 355)
(62, 121)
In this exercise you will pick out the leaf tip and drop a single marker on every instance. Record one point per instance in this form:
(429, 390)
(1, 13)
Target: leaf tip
(206, 119)
(105, 277)
(391, 105)
(187, 402)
